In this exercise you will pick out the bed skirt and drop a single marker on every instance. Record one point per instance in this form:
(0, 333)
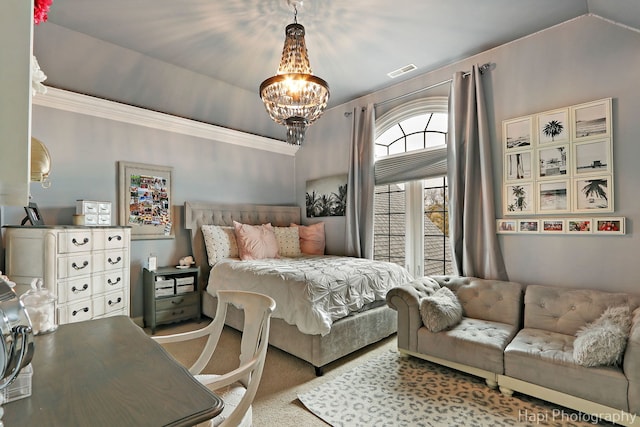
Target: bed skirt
(347, 335)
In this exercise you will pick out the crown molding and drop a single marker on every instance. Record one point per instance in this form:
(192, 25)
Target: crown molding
(84, 104)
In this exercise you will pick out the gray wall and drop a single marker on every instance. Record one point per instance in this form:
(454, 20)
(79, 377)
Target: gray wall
(85, 151)
(579, 61)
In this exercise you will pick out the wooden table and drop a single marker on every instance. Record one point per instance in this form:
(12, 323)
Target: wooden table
(108, 372)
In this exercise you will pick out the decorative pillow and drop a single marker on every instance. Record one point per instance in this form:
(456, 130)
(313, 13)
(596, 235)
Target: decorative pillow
(256, 241)
(220, 242)
(441, 310)
(312, 239)
(288, 241)
(603, 341)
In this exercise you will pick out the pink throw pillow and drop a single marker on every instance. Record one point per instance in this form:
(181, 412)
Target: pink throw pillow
(256, 241)
(312, 240)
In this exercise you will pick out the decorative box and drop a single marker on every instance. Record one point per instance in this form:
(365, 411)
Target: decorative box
(184, 284)
(95, 213)
(164, 287)
(19, 388)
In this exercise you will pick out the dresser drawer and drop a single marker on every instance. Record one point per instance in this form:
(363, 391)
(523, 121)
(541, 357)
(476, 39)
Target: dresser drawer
(110, 281)
(177, 313)
(113, 301)
(75, 289)
(76, 312)
(77, 265)
(75, 241)
(114, 239)
(176, 301)
(114, 260)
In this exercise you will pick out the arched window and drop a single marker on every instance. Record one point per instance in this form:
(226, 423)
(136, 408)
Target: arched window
(411, 203)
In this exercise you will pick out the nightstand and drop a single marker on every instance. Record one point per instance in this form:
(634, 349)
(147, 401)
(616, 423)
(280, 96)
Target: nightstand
(170, 295)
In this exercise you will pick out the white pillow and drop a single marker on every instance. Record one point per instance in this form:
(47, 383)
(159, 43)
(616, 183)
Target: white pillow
(441, 310)
(288, 241)
(220, 242)
(603, 341)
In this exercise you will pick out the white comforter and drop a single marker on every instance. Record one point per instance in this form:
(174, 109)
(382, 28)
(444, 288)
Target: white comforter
(311, 291)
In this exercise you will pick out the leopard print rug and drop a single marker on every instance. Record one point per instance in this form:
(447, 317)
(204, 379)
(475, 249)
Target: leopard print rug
(396, 390)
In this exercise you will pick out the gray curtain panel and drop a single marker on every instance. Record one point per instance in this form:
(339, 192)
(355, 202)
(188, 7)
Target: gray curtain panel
(472, 220)
(360, 185)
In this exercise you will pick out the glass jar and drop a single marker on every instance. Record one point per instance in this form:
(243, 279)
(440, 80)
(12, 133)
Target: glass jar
(40, 304)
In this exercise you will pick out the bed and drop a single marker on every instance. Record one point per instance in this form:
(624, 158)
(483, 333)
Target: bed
(367, 323)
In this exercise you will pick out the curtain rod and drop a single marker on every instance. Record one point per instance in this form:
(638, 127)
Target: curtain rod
(482, 69)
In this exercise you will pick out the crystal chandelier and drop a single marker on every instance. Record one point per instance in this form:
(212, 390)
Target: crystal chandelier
(294, 97)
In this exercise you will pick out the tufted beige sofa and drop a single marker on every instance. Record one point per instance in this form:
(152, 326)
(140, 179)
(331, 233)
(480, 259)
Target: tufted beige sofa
(537, 357)
(492, 316)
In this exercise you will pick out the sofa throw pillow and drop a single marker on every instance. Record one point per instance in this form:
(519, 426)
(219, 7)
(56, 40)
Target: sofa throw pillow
(220, 242)
(603, 342)
(288, 241)
(441, 310)
(312, 240)
(256, 241)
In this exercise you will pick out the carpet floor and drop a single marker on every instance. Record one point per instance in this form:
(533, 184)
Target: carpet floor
(375, 386)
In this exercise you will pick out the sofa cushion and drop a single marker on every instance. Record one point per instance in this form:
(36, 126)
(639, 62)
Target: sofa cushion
(493, 300)
(545, 358)
(603, 341)
(440, 310)
(473, 342)
(564, 310)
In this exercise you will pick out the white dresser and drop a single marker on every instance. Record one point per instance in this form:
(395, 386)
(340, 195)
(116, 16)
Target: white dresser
(86, 267)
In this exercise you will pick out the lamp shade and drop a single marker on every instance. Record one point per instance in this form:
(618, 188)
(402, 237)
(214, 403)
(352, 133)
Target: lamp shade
(294, 97)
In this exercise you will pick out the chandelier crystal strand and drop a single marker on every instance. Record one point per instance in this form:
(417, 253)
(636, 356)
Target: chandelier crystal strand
(294, 97)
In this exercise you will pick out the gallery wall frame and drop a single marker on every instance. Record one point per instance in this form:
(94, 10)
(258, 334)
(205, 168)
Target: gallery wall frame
(145, 195)
(553, 126)
(549, 155)
(591, 120)
(517, 133)
(612, 226)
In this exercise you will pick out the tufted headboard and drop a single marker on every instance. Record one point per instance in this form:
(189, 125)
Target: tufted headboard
(197, 214)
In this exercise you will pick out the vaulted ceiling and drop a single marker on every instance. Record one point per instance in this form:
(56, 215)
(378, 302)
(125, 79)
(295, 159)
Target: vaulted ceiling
(352, 44)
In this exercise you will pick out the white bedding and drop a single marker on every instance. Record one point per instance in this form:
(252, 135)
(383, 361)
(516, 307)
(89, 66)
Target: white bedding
(311, 291)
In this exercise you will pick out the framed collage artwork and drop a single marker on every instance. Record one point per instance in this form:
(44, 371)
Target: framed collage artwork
(559, 161)
(145, 195)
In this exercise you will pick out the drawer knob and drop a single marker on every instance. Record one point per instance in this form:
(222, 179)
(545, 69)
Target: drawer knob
(84, 241)
(175, 313)
(112, 283)
(78, 267)
(180, 301)
(118, 301)
(78, 290)
(82, 310)
(112, 262)
(114, 237)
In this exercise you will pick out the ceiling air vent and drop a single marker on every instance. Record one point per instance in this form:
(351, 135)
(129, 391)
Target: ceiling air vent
(401, 71)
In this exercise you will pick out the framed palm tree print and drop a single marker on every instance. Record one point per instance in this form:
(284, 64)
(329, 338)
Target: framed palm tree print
(553, 126)
(593, 194)
(519, 199)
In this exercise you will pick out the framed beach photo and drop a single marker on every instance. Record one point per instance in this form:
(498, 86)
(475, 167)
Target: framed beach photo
(591, 120)
(519, 199)
(579, 225)
(505, 226)
(553, 162)
(552, 226)
(553, 126)
(593, 194)
(517, 133)
(591, 157)
(528, 226)
(609, 225)
(518, 166)
(553, 196)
